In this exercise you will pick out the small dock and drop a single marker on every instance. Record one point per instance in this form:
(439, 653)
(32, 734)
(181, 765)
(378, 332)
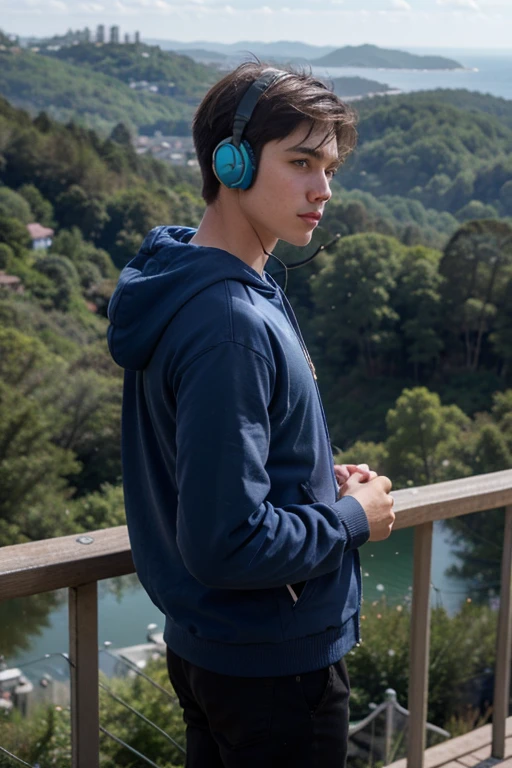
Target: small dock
(473, 750)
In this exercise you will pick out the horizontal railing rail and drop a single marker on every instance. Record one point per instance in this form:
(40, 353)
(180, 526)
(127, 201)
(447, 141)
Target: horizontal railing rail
(78, 562)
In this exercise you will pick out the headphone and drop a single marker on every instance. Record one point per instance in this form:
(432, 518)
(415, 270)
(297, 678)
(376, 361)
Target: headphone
(234, 161)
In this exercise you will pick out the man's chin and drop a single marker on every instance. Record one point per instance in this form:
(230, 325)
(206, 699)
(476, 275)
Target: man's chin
(298, 239)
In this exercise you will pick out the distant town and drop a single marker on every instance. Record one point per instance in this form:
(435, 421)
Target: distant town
(74, 37)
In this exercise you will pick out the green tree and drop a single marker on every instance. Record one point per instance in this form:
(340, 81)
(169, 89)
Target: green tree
(100, 509)
(64, 276)
(6, 256)
(71, 243)
(354, 320)
(373, 454)
(14, 234)
(477, 266)
(425, 441)
(121, 135)
(478, 538)
(501, 337)
(417, 301)
(41, 208)
(502, 413)
(33, 470)
(79, 209)
(475, 209)
(91, 427)
(132, 214)
(14, 205)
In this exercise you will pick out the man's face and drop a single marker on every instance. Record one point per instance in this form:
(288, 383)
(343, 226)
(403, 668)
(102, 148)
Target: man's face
(293, 180)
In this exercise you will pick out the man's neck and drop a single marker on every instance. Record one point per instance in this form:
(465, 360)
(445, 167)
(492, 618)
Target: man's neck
(224, 226)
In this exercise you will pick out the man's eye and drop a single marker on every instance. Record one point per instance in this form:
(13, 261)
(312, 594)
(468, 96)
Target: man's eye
(301, 161)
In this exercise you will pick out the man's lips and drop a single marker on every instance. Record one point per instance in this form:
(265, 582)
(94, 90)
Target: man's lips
(310, 216)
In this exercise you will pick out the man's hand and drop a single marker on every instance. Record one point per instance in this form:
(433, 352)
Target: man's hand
(344, 471)
(376, 500)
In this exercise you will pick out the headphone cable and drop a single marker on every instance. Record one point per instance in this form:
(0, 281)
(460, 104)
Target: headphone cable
(303, 262)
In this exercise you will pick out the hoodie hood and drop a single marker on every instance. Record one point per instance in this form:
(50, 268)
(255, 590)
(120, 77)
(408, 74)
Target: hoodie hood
(166, 273)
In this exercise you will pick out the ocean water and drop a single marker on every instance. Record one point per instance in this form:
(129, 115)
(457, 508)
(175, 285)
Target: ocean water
(484, 72)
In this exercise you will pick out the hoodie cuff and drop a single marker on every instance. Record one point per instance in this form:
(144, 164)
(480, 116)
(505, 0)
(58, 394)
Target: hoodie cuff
(353, 517)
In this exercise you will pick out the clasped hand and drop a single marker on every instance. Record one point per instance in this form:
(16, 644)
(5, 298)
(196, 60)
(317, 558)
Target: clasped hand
(372, 491)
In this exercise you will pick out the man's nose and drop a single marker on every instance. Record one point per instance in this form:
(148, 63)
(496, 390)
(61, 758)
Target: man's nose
(321, 189)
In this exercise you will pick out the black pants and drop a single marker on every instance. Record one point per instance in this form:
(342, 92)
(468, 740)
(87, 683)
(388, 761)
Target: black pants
(299, 721)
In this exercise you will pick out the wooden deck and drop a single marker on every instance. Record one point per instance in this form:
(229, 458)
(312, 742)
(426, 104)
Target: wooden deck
(473, 750)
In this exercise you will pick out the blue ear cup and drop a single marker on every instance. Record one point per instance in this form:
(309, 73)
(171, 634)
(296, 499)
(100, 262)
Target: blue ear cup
(234, 166)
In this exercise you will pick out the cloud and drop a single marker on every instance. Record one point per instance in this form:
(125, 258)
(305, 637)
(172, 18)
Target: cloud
(471, 5)
(400, 5)
(91, 7)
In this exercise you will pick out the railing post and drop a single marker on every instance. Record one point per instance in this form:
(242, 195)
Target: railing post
(420, 645)
(503, 645)
(83, 655)
(390, 695)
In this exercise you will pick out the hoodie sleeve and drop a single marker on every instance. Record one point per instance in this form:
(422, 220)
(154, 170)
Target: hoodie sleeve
(228, 534)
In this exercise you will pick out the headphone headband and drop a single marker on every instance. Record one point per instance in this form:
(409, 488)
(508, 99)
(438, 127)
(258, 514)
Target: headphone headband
(250, 99)
(233, 160)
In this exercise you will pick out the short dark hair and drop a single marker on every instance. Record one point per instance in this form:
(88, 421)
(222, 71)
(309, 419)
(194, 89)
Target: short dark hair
(300, 99)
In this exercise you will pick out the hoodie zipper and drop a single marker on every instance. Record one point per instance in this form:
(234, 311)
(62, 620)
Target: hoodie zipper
(300, 340)
(294, 325)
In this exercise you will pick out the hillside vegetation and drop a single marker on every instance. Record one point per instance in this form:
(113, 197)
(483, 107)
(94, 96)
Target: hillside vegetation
(382, 310)
(176, 74)
(437, 153)
(60, 393)
(96, 93)
(356, 86)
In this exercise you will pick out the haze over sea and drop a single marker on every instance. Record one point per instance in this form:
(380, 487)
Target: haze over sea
(486, 72)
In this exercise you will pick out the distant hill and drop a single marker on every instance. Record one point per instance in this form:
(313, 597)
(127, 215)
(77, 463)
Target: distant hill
(376, 58)
(350, 87)
(174, 74)
(202, 55)
(69, 92)
(469, 101)
(279, 49)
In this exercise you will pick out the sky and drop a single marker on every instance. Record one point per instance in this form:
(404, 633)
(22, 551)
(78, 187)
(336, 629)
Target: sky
(454, 24)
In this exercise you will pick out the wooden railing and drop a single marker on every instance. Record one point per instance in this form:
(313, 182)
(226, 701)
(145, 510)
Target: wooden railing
(79, 562)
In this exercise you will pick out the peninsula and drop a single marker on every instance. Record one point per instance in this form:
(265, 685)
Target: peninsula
(371, 56)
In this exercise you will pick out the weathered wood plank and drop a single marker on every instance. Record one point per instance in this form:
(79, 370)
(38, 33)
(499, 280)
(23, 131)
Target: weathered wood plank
(454, 749)
(453, 764)
(83, 657)
(468, 760)
(419, 644)
(503, 644)
(414, 506)
(42, 566)
(483, 753)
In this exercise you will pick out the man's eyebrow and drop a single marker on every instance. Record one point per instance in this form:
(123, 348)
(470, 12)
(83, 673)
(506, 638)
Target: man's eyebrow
(316, 153)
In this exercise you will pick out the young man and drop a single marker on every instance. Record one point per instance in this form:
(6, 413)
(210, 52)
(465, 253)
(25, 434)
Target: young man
(239, 531)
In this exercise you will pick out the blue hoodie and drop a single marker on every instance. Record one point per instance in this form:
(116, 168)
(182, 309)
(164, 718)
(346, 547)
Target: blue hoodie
(230, 492)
